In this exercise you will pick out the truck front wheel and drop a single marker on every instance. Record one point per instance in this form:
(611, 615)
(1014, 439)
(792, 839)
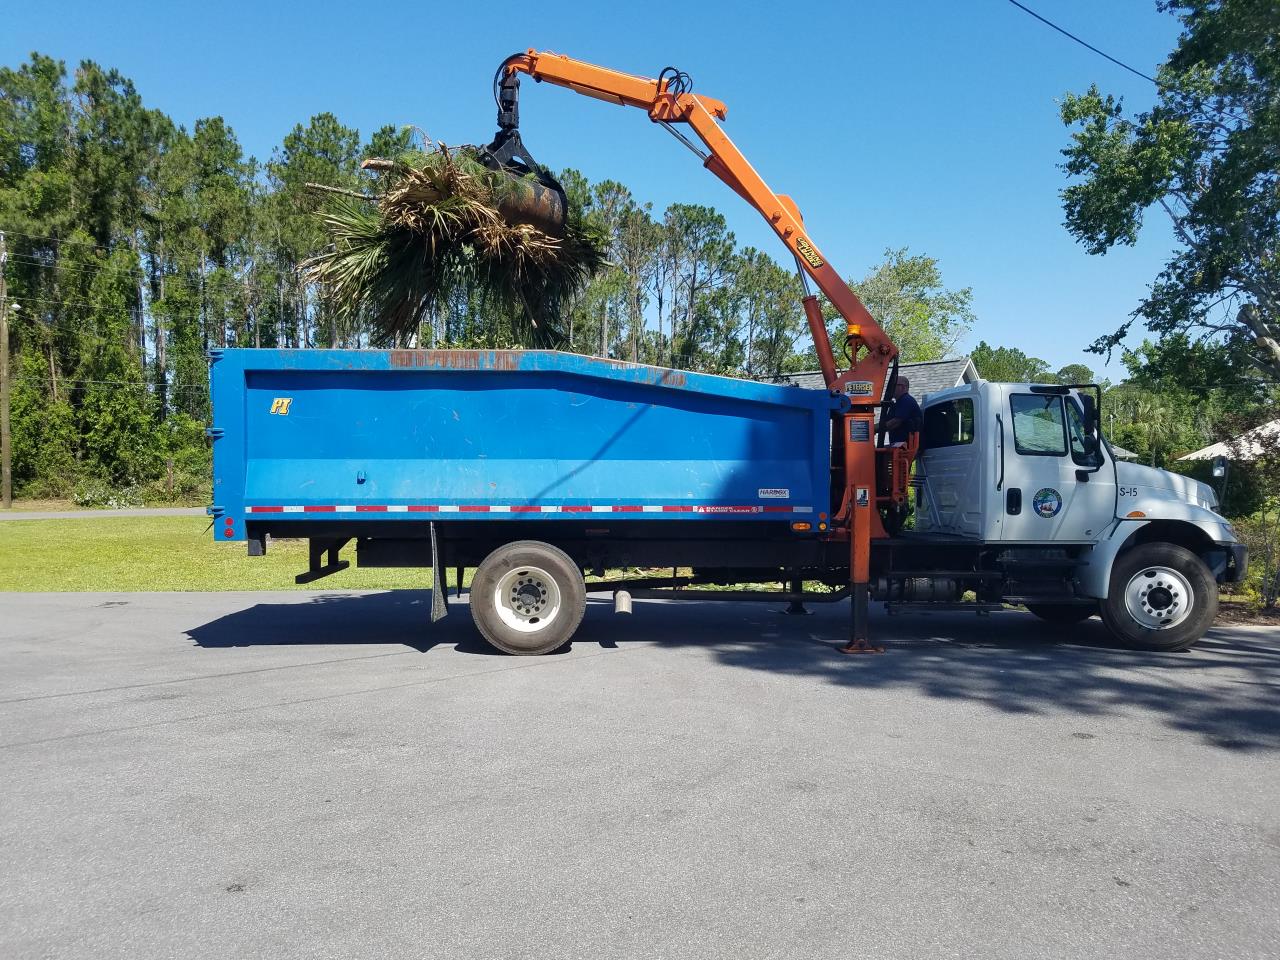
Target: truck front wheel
(1162, 597)
(528, 598)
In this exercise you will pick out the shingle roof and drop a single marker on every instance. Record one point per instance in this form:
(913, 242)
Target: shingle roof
(926, 378)
(1250, 445)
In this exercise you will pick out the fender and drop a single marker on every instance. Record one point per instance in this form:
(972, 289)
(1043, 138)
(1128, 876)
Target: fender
(1186, 524)
(1094, 577)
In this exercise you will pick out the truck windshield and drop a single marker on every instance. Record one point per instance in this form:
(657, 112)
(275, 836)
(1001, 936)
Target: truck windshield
(1038, 428)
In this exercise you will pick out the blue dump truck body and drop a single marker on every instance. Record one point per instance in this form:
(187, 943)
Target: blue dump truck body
(539, 471)
(409, 436)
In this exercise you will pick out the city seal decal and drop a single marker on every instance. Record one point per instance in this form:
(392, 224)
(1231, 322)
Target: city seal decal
(1047, 502)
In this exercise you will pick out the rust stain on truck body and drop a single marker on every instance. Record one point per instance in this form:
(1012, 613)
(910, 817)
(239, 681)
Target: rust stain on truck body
(455, 359)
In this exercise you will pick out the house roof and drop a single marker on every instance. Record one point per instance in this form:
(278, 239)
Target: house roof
(1121, 453)
(927, 377)
(1250, 445)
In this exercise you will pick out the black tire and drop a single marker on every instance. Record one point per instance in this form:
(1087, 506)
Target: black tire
(534, 572)
(1064, 614)
(1156, 567)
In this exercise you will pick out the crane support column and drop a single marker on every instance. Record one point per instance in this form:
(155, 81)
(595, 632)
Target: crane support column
(863, 521)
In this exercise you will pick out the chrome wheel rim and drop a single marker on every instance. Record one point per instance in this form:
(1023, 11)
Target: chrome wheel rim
(1159, 598)
(527, 599)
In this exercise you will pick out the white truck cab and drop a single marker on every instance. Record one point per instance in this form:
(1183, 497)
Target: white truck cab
(1024, 467)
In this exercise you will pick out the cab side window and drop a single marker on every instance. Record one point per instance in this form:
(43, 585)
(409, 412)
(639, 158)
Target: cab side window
(948, 424)
(1039, 428)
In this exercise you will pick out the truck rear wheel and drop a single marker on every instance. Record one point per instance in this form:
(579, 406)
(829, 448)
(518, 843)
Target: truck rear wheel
(1162, 597)
(528, 598)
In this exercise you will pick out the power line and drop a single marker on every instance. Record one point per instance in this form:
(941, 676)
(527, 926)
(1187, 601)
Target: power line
(130, 272)
(114, 383)
(58, 240)
(56, 303)
(215, 283)
(1084, 43)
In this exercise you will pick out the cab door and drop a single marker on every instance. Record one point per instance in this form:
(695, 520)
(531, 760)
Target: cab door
(950, 472)
(1058, 484)
(1092, 483)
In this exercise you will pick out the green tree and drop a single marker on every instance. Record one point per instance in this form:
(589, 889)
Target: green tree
(698, 246)
(116, 411)
(326, 152)
(1008, 365)
(115, 142)
(45, 437)
(1208, 155)
(35, 162)
(1074, 373)
(906, 296)
(635, 251)
(771, 314)
(1177, 362)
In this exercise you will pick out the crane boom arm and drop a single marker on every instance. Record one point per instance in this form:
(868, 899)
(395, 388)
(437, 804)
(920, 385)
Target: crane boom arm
(667, 101)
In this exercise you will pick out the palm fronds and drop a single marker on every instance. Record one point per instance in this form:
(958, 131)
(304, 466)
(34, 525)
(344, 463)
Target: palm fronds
(442, 221)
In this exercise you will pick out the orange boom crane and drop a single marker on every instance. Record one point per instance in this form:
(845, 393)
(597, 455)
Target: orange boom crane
(872, 356)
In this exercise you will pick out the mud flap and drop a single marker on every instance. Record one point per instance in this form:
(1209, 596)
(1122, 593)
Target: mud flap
(439, 595)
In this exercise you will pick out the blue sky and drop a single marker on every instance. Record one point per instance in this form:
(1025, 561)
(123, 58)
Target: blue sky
(929, 124)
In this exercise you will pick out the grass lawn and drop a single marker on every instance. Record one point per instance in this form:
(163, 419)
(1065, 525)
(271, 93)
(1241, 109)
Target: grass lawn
(164, 553)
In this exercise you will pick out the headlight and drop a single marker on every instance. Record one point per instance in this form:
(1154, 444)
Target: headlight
(1228, 531)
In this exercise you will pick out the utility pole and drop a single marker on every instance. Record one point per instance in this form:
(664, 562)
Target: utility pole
(6, 454)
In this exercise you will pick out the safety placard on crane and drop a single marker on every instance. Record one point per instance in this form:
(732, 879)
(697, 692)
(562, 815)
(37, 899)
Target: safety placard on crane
(859, 430)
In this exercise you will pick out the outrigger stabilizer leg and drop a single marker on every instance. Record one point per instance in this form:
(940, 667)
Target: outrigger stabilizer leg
(796, 607)
(859, 641)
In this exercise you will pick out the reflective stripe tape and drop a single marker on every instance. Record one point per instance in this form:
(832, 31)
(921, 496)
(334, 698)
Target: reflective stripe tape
(527, 508)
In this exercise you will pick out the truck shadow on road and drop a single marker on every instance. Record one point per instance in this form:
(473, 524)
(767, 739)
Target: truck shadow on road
(1225, 690)
(322, 619)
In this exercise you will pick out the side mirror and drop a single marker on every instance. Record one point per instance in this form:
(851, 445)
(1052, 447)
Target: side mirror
(1219, 467)
(1092, 421)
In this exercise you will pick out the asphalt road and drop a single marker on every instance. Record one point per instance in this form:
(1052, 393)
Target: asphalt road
(301, 775)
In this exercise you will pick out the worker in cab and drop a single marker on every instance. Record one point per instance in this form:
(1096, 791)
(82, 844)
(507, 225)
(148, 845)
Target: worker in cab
(904, 416)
